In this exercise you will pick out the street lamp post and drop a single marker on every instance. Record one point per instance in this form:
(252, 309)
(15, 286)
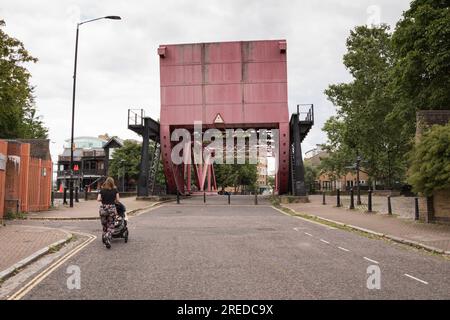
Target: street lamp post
(72, 145)
(358, 191)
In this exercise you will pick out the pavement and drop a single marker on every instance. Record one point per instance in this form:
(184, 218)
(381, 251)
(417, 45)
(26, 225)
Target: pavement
(240, 251)
(431, 236)
(22, 244)
(86, 210)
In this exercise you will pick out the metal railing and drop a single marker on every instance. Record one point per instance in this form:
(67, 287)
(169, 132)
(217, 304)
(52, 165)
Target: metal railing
(306, 116)
(136, 117)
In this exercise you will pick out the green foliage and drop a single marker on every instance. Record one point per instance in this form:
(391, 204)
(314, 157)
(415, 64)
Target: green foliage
(420, 78)
(311, 174)
(394, 75)
(361, 126)
(18, 113)
(430, 161)
(235, 175)
(127, 159)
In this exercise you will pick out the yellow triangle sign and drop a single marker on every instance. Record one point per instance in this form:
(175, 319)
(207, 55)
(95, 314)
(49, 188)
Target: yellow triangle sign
(218, 119)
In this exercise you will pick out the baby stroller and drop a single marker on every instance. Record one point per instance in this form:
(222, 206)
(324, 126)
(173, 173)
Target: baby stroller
(120, 225)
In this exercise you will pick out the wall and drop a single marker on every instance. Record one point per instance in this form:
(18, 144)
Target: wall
(25, 185)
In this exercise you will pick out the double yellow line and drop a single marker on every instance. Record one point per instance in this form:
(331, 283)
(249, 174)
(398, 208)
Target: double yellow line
(44, 274)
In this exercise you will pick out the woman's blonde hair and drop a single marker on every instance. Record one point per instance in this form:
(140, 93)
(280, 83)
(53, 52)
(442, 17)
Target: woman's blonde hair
(109, 184)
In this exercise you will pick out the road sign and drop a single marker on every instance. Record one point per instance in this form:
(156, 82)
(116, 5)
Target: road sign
(218, 119)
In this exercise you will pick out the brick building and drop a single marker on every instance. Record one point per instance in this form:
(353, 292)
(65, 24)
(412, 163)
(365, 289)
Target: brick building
(326, 183)
(90, 158)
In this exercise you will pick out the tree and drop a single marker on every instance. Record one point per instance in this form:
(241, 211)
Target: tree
(235, 175)
(18, 117)
(361, 126)
(311, 174)
(128, 158)
(430, 161)
(420, 77)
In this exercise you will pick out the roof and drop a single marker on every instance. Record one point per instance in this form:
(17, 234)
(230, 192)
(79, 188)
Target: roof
(114, 142)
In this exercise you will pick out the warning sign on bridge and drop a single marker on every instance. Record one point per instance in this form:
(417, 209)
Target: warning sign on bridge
(218, 119)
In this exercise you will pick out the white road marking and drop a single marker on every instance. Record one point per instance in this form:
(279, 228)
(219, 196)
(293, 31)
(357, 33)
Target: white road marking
(45, 273)
(343, 249)
(304, 219)
(417, 279)
(324, 241)
(296, 229)
(371, 260)
(308, 234)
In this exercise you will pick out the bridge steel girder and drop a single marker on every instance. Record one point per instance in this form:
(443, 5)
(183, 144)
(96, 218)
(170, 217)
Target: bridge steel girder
(243, 82)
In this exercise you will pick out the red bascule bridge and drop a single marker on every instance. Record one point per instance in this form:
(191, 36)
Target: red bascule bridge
(223, 85)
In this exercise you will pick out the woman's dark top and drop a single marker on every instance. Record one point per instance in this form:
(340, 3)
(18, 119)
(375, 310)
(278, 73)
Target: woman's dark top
(108, 196)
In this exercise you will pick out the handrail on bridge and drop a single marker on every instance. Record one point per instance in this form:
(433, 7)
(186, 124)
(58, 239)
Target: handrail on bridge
(136, 117)
(309, 115)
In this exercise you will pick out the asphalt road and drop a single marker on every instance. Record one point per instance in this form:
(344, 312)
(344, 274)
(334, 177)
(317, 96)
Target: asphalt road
(242, 251)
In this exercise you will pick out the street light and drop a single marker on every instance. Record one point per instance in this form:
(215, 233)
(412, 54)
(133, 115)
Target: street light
(72, 146)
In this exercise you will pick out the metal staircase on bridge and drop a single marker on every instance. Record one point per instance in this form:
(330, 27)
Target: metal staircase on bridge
(300, 125)
(148, 168)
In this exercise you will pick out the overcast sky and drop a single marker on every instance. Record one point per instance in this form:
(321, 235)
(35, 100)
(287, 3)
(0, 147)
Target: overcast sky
(118, 67)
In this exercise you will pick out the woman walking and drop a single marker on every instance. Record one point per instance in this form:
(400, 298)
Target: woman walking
(108, 196)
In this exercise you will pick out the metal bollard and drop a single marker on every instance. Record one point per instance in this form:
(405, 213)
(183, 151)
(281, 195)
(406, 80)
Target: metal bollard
(178, 197)
(369, 201)
(416, 211)
(53, 198)
(256, 198)
(65, 196)
(323, 198)
(85, 193)
(352, 199)
(229, 198)
(389, 205)
(338, 196)
(204, 197)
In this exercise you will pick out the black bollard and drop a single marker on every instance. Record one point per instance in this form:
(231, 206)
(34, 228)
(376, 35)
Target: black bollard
(323, 198)
(65, 196)
(53, 198)
(369, 201)
(416, 211)
(338, 198)
(352, 199)
(85, 193)
(256, 198)
(178, 197)
(389, 205)
(204, 197)
(229, 198)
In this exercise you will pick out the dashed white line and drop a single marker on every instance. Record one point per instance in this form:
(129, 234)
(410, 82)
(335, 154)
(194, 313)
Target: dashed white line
(417, 279)
(324, 241)
(308, 234)
(343, 249)
(371, 260)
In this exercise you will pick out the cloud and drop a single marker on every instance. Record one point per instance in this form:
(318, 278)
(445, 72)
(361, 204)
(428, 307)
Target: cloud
(119, 68)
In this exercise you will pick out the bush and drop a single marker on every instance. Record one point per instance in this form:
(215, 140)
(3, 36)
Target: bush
(430, 161)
